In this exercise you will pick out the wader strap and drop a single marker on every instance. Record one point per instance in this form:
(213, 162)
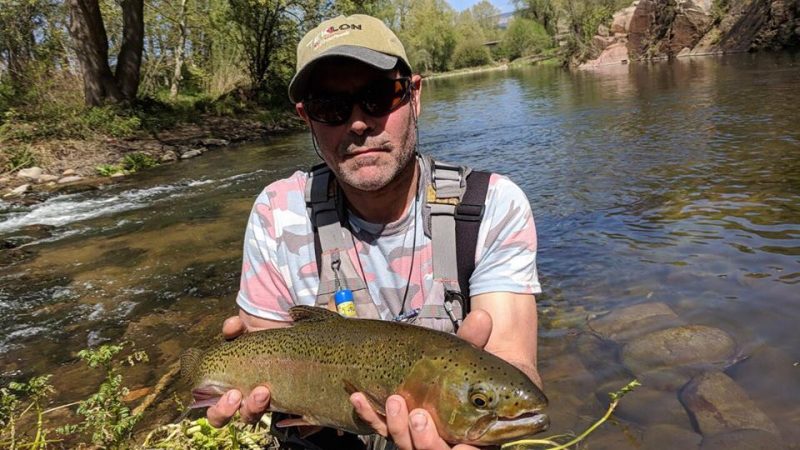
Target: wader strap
(332, 241)
(448, 183)
(469, 214)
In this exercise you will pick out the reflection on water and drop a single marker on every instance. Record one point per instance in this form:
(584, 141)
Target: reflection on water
(676, 183)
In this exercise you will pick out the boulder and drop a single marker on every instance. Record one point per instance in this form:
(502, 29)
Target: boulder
(685, 349)
(169, 156)
(31, 173)
(718, 405)
(613, 55)
(628, 322)
(745, 439)
(191, 153)
(70, 179)
(19, 190)
(211, 142)
(601, 42)
(637, 407)
(622, 20)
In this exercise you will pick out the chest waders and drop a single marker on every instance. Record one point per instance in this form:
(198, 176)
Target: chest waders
(452, 210)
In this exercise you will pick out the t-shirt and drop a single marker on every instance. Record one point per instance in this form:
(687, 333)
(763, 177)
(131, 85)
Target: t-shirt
(279, 268)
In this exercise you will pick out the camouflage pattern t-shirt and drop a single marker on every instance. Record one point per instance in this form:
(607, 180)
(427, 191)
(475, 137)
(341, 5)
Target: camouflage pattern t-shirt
(279, 267)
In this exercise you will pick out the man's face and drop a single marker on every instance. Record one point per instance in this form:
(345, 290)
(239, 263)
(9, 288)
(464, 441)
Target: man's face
(365, 152)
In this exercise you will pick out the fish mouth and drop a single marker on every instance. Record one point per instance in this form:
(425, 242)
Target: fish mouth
(508, 428)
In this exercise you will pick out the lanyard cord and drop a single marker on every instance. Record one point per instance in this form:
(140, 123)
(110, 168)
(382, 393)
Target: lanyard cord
(413, 251)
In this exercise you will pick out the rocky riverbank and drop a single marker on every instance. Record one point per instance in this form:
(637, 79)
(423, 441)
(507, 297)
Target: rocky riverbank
(74, 165)
(659, 29)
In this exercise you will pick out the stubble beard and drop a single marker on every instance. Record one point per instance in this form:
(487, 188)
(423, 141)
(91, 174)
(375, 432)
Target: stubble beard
(388, 169)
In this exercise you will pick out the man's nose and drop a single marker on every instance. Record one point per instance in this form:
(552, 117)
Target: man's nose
(360, 122)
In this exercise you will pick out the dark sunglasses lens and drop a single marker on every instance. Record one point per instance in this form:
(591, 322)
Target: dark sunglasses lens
(383, 96)
(330, 109)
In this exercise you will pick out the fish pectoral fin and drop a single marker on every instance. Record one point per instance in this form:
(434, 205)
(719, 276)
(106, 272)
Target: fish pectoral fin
(312, 314)
(373, 401)
(296, 422)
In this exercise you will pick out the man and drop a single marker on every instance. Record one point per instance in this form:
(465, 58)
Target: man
(355, 90)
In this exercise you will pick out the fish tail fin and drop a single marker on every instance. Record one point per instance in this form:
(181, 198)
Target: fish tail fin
(189, 361)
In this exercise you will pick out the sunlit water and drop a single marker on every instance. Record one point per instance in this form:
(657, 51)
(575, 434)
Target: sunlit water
(676, 183)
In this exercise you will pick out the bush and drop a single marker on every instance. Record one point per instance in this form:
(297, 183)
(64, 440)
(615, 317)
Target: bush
(525, 37)
(471, 53)
(138, 161)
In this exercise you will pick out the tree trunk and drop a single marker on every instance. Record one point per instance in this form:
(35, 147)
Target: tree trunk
(91, 46)
(177, 75)
(129, 61)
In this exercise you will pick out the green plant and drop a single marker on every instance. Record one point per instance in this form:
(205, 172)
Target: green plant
(105, 415)
(199, 434)
(137, 161)
(36, 391)
(17, 157)
(107, 170)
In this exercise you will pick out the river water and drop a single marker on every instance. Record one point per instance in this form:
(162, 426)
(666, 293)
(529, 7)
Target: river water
(676, 183)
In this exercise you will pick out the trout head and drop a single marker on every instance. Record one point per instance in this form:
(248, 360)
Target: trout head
(475, 397)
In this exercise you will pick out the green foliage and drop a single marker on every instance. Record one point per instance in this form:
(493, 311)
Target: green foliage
(105, 416)
(107, 170)
(134, 162)
(525, 37)
(471, 53)
(16, 401)
(199, 434)
(15, 157)
(719, 8)
(430, 36)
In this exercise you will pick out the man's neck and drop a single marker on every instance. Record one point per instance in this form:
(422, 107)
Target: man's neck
(387, 204)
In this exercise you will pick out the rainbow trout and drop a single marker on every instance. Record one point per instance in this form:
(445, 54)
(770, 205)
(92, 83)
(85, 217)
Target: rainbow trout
(312, 367)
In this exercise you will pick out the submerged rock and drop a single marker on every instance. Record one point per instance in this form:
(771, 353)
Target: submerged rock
(631, 321)
(648, 407)
(718, 405)
(680, 350)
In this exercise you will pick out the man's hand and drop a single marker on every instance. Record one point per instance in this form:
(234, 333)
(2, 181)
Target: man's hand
(416, 430)
(255, 405)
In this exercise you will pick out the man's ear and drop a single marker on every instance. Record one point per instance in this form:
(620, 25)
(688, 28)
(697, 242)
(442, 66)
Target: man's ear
(301, 111)
(416, 82)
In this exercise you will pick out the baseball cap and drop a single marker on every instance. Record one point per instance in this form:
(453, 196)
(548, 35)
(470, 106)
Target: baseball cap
(359, 36)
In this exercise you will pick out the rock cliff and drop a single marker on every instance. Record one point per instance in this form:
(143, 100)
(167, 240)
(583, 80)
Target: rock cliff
(656, 29)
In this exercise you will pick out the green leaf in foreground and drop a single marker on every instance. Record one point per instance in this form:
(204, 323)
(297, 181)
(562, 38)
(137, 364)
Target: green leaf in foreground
(551, 443)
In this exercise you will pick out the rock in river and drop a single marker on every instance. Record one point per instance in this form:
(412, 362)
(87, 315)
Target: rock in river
(625, 323)
(684, 350)
(718, 405)
(742, 440)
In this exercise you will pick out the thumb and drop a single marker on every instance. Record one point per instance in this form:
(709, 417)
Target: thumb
(476, 328)
(233, 327)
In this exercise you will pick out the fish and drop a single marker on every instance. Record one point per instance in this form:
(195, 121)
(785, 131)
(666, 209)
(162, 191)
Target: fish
(312, 367)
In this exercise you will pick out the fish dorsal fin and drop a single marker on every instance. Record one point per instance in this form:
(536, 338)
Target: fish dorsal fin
(312, 314)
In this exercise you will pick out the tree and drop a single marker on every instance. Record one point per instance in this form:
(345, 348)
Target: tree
(430, 35)
(525, 37)
(267, 27)
(100, 84)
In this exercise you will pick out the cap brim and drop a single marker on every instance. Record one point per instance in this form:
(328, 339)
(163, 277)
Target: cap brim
(381, 61)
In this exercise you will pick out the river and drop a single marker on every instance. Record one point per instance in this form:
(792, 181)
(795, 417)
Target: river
(674, 183)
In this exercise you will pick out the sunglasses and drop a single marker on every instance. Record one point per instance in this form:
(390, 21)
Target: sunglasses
(378, 98)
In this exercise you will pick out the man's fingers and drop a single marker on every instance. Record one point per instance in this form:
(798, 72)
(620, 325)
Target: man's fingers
(233, 327)
(423, 432)
(255, 405)
(397, 422)
(476, 328)
(368, 414)
(221, 413)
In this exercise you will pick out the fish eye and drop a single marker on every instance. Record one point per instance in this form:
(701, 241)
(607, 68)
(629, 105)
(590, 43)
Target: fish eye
(478, 400)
